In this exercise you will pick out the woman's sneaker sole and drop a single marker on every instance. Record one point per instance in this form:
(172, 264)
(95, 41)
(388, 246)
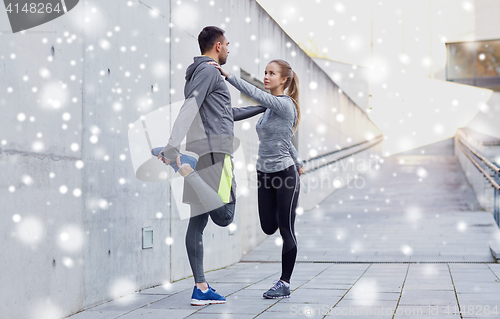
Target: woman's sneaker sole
(277, 297)
(195, 302)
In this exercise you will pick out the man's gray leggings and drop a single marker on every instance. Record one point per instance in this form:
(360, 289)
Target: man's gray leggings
(222, 214)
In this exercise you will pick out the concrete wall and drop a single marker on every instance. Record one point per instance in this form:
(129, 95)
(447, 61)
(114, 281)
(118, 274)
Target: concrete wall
(487, 26)
(352, 79)
(72, 209)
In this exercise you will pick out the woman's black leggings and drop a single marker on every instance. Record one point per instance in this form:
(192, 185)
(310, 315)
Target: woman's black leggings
(278, 193)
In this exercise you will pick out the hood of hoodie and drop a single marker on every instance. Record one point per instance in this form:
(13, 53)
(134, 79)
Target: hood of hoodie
(197, 61)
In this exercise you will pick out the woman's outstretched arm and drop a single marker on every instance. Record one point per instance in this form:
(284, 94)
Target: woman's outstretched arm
(279, 105)
(242, 113)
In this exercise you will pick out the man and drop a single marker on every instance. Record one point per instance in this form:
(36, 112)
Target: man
(207, 120)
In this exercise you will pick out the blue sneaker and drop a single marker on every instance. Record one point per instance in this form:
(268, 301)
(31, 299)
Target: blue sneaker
(209, 297)
(187, 158)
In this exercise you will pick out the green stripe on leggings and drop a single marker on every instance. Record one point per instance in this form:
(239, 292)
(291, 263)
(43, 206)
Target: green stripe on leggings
(226, 179)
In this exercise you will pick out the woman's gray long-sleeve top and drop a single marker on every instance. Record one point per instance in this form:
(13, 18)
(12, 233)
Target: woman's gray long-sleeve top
(274, 128)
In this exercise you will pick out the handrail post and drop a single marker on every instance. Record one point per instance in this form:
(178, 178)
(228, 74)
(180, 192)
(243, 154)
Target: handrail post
(496, 202)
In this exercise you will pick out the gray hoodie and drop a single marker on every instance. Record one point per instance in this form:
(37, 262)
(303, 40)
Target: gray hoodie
(206, 117)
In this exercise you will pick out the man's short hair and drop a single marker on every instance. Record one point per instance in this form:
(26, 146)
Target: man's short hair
(208, 37)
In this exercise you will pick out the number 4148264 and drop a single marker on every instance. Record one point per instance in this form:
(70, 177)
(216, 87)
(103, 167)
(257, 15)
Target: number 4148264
(33, 8)
(473, 310)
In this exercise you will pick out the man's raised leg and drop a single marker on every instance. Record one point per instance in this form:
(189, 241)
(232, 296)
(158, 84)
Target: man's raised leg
(222, 213)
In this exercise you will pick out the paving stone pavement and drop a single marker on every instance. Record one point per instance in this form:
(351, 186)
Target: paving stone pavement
(396, 248)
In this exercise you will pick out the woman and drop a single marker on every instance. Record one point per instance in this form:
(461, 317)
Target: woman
(278, 161)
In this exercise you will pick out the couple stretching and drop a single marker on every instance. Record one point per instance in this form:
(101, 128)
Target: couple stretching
(207, 120)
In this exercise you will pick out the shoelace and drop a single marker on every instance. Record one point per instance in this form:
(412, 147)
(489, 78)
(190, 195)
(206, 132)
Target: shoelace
(210, 288)
(277, 284)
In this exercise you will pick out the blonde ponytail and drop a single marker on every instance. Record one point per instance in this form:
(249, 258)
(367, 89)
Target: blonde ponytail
(293, 92)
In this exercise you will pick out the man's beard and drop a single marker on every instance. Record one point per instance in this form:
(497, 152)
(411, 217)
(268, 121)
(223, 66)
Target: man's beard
(222, 61)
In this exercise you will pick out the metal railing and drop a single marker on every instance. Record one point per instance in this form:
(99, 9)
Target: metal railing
(493, 178)
(315, 158)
